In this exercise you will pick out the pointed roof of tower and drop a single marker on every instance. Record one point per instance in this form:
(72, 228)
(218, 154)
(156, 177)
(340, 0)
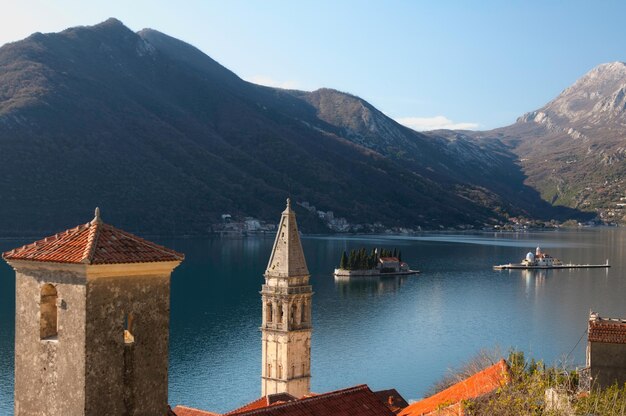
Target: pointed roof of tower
(287, 259)
(94, 243)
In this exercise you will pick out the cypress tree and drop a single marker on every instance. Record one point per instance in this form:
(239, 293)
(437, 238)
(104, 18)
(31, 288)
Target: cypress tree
(400, 255)
(361, 259)
(343, 264)
(395, 253)
(351, 260)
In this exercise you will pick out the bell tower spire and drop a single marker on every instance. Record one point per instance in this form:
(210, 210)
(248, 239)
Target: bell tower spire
(286, 329)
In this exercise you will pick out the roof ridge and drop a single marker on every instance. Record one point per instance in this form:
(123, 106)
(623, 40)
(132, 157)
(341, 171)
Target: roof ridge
(309, 399)
(92, 242)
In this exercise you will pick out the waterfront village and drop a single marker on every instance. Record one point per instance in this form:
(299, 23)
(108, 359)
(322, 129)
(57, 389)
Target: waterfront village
(229, 225)
(92, 329)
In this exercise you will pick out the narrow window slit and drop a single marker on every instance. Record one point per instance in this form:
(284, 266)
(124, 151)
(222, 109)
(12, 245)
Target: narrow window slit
(48, 317)
(129, 338)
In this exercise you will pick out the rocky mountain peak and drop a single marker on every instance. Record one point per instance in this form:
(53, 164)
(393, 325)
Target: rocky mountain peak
(598, 97)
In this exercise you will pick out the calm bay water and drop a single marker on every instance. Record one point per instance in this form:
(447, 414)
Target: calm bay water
(389, 332)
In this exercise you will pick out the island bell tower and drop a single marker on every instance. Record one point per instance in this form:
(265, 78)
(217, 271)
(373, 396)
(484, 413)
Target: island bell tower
(286, 330)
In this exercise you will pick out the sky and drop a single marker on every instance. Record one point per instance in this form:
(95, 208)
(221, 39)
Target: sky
(438, 64)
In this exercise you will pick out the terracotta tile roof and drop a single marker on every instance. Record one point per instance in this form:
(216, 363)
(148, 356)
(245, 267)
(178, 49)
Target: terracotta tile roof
(455, 409)
(190, 411)
(93, 243)
(268, 400)
(358, 400)
(607, 330)
(386, 259)
(481, 383)
(392, 399)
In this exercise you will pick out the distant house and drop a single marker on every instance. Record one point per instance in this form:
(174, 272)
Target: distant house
(252, 224)
(391, 264)
(357, 400)
(606, 351)
(449, 402)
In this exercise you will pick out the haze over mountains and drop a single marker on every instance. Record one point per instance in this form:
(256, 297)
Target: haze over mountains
(164, 139)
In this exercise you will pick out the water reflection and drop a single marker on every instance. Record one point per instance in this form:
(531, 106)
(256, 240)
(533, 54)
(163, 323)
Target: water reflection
(368, 285)
(535, 279)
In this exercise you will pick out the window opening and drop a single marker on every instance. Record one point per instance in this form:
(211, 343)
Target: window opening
(48, 318)
(269, 312)
(129, 338)
(294, 311)
(280, 313)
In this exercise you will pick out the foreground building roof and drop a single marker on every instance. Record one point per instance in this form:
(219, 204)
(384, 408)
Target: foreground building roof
(269, 400)
(447, 401)
(190, 411)
(93, 243)
(358, 400)
(392, 399)
(607, 330)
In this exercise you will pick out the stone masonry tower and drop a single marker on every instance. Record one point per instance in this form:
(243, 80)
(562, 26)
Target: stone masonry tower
(286, 330)
(92, 323)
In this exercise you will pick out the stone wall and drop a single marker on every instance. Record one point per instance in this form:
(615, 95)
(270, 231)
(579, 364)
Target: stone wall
(49, 373)
(127, 378)
(608, 364)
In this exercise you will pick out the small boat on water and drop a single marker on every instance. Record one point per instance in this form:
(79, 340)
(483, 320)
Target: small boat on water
(541, 260)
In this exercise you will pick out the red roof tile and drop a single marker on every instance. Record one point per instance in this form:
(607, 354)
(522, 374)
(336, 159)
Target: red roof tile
(93, 243)
(607, 330)
(389, 259)
(257, 404)
(268, 400)
(190, 411)
(358, 400)
(481, 383)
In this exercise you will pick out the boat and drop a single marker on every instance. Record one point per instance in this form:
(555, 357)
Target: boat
(540, 260)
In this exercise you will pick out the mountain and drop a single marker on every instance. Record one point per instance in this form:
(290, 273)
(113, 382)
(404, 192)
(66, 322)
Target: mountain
(573, 149)
(164, 139)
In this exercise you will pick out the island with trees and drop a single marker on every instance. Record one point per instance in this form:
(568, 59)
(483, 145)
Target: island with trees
(375, 263)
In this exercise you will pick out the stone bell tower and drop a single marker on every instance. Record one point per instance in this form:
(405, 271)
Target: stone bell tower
(286, 329)
(92, 323)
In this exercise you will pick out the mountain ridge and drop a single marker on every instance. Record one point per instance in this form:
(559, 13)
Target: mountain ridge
(165, 139)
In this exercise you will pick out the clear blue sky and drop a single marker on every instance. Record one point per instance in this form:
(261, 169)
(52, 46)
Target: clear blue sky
(477, 63)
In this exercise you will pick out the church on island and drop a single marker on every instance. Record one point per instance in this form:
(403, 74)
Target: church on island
(92, 333)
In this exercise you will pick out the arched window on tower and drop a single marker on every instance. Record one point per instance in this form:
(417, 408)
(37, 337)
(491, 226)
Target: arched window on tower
(280, 313)
(48, 318)
(294, 312)
(269, 312)
(280, 371)
(269, 370)
(303, 313)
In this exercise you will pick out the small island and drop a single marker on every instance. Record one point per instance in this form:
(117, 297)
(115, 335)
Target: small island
(381, 262)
